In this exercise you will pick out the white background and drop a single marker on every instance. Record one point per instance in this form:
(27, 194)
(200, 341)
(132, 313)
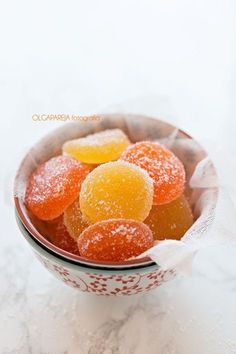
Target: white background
(174, 59)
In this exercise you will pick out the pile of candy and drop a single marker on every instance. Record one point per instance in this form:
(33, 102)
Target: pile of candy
(107, 199)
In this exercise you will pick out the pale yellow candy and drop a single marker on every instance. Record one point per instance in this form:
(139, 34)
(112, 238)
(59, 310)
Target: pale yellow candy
(116, 190)
(97, 148)
(73, 220)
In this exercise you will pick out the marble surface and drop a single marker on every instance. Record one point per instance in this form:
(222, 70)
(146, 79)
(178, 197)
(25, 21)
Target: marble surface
(172, 59)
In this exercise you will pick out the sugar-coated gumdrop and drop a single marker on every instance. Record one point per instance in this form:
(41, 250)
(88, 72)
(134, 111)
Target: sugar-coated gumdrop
(115, 240)
(166, 170)
(59, 236)
(116, 190)
(73, 220)
(54, 185)
(56, 232)
(170, 221)
(98, 148)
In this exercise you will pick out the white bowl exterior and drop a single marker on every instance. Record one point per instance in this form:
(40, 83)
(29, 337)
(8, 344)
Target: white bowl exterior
(104, 283)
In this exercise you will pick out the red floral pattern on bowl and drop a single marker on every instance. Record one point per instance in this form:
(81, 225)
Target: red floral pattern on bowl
(112, 284)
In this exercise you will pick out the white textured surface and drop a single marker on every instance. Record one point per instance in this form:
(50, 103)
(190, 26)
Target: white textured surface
(86, 56)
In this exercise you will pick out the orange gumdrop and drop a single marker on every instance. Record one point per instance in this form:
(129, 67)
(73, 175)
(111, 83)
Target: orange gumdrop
(170, 221)
(54, 185)
(59, 236)
(166, 170)
(115, 240)
(56, 232)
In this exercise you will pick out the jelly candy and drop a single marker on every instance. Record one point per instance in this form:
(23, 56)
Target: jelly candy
(56, 232)
(170, 221)
(115, 240)
(116, 190)
(98, 148)
(54, 185)
(162, 165)
(73, 220)
(59, 236)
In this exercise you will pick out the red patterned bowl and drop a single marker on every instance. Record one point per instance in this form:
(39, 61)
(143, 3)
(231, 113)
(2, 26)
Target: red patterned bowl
(102, 278)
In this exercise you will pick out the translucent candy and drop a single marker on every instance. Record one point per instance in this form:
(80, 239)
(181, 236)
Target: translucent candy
(59, 236)
(116, 190)
(115, 240)
(162, 165)
(54, 185)
(56, 232)
(170, 221)
(98, 148)
(73, 220)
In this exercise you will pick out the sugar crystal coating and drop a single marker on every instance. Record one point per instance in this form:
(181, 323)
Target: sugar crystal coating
(54, 185)
(115, 240)
(56, 232)
(116, 196)
(73, 220)
(98, 148)
(60, 237)
(116, 190)
(170, 221)
(166, 170)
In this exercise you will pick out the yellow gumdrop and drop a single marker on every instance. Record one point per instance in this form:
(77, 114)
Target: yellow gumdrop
(98, 148)
(116, 190)
(170, 221)
(73, 220)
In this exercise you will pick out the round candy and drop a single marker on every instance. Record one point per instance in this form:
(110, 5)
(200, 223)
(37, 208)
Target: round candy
(59, 236)
(116, 190)
(162, 165)
(99, 147)
(54, 185)
(170, 221)
(115, 240)
(56, 232)
(73, 220)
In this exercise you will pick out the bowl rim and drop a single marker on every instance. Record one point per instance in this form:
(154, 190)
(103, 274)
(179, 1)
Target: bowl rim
(49, 254)
(44, 243)
(23, 216)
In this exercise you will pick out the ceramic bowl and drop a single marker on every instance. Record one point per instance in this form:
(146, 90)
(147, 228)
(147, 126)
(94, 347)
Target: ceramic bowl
(102, 278)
